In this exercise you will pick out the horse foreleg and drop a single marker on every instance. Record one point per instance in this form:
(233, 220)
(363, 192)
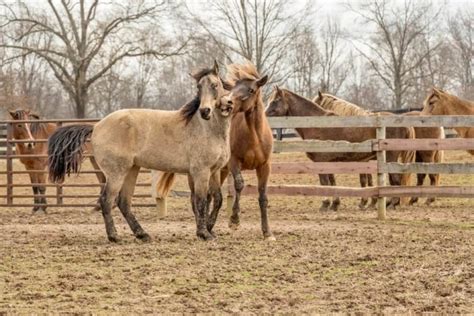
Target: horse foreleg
(125, 201)
(234, 221)
(373, 200)
(34, 179)
(41, 178)
(337, 200)
(324, 180)
(263, 172)
(216, 193)
(394, 179)
(201, 186)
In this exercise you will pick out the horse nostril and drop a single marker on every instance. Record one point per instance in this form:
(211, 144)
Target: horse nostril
(207, 111)
(230, 102)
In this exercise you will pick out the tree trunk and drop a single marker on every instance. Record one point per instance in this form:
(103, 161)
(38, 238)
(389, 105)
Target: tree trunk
(80, 101)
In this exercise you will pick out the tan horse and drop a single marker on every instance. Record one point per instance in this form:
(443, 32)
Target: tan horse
(428, 156)
(439, 102)
(283, 102)
(170, 141)
(31, 132)
(345, 108)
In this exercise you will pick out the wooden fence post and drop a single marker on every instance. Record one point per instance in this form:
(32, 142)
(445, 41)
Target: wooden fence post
(59, 188)
(381, 159)
(9, 164)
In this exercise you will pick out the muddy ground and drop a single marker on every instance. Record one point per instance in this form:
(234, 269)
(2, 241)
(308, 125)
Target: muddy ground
(419, 260)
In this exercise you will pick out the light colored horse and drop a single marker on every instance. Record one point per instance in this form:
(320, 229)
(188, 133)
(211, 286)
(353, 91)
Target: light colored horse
(283, 102)
(439, 102)
(171, 141)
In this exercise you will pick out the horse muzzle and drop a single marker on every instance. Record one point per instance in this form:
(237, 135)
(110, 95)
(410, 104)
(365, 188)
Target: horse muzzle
(205, 113)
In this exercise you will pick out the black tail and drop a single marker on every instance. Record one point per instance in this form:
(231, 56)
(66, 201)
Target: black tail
(65, 150)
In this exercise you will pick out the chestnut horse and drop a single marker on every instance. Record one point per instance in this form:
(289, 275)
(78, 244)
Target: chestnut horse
(283, 102)
(439, 102)
(170, 141)
(37, 165)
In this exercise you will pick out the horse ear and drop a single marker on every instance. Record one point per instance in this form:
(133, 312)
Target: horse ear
(278, 90)
(215, 68)
(193, 75)
(320, 95)
(262, 81)
(226, 85)
(12, 113)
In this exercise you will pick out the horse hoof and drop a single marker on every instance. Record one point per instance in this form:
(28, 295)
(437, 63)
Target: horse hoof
(362, 207)
(205, 235)
(144, 237)
(269, 238)
(233, 225)
(113, 238)
(334, 207)
(323, 209)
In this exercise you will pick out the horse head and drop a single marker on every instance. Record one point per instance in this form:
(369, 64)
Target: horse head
(22, 130)
(246, 84)
(277, 103)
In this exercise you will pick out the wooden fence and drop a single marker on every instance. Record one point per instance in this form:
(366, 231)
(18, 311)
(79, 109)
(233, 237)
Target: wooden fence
(379, 145)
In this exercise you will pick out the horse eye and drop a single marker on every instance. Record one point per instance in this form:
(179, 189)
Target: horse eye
(214, 86)
(251, 91)
(19, 125)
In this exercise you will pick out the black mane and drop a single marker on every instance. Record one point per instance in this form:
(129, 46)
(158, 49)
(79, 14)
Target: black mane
(190, 108)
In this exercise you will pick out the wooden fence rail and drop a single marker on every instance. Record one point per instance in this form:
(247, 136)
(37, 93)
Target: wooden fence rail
(378, 146)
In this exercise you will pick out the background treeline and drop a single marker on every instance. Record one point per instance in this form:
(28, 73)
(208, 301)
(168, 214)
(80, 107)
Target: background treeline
(86, 58)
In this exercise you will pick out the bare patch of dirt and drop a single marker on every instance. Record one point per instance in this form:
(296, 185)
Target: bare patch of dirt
(419, 260)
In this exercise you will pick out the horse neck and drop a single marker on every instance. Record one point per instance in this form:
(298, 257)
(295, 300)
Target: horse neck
(256, 120)
(459, 107)
(299, 106)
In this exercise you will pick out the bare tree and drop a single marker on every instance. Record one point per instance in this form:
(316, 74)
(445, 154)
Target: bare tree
(461, 29)
(397, 27)
(259, 31)
(77, 33)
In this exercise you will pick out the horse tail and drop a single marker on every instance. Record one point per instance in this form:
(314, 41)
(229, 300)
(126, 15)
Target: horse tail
(65, 150)
(164, 185)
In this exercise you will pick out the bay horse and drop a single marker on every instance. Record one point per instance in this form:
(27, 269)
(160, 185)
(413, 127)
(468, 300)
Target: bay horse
(439, 102)
(251, 143)
(283, 102)
(345, 108)
(37, 165)
(170, 141)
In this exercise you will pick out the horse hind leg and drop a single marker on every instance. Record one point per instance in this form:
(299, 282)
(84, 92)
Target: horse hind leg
(420, 178)
(363, 183)
(434, 181)
(107, 198)
(324, 180)
(373, 200)
(125, 201)
(234, 221)
(337, 200)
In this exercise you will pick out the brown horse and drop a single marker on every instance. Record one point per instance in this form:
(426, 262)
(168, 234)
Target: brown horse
(283, 102)
(439, 102)
(345, 108)
(36, 165)
(170, 141)
(31, 132)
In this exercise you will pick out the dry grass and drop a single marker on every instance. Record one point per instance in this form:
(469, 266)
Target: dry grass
(419, 260)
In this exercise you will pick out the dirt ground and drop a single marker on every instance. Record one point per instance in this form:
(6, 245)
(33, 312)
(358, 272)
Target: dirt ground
(419, 260)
